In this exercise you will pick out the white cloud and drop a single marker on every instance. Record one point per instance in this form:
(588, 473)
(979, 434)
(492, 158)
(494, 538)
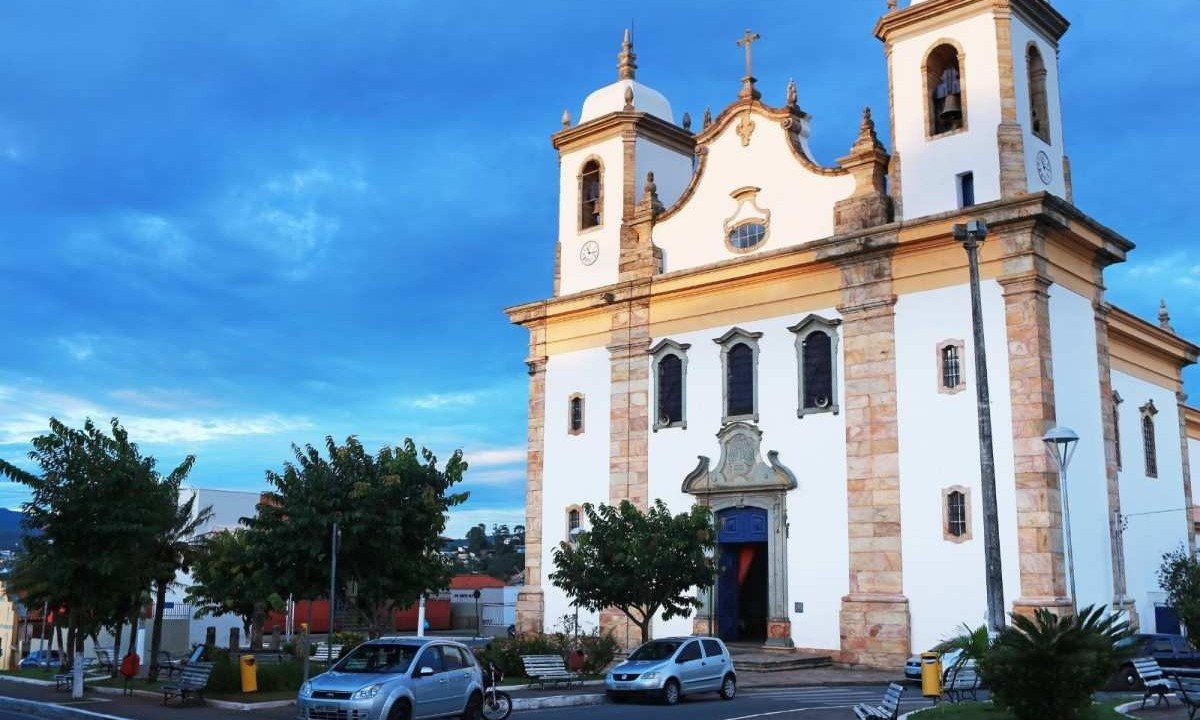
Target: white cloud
(80, 347)
(495, 456)
(504, 476)
(462, 520)
(160, 398)
(441, 401)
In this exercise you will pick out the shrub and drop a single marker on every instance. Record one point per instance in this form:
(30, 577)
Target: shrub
(600, 649)
(1179, 577)
(506, 652)
(1049, 666)
(285, 675)
(225, 677)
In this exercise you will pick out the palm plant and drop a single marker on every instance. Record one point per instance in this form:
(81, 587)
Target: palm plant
(175, 550)
(1049, 666)
(971, 644)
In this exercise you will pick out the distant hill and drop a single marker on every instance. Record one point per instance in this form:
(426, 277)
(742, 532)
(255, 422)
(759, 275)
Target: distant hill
(10, 528)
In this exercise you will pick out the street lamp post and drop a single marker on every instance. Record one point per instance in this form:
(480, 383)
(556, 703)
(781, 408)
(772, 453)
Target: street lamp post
(971, 235)
(1061, 443)
(333, 547)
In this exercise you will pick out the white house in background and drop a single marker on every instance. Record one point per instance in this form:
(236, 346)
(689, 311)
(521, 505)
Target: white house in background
(806, 331)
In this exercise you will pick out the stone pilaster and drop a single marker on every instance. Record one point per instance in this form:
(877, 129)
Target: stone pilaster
(1010, 138)
(1181, 398)
(874, 620)
(530, 601)
(1025, 286)
(1121, 600)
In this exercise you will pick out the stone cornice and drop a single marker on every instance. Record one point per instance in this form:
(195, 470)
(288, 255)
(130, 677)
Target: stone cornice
(1038, 13)
(1191, 416)
(1124, 325)
(614, 124)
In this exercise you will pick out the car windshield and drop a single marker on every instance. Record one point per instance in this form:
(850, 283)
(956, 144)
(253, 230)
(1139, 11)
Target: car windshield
(377, 659)
(657, 650)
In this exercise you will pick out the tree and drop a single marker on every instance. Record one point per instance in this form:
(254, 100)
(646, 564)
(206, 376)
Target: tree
(229, 579)
(1179, 578)
(477, 540)
(638, 562)
(391, 508)
(174, 550)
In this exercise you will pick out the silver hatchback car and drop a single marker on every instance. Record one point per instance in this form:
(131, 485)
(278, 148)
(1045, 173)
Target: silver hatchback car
(673, 667)
(396, 679)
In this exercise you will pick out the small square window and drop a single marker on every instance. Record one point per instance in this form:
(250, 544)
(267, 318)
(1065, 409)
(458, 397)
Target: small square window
(575, 414)
(956, 514)
(951, 375)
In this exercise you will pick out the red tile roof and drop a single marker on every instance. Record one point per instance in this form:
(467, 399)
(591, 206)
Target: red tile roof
(474, 582)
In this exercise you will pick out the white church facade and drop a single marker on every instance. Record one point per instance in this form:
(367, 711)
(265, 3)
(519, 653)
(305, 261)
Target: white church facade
(736, 325)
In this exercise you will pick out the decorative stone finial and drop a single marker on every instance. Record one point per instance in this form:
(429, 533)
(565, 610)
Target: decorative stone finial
(867, 141)
(626, 60)
(707, 120)
(1164, 316)
(687, 121)
(650, 190)
(893, 4)
(566, 118)
(628, 99)
(791, 93)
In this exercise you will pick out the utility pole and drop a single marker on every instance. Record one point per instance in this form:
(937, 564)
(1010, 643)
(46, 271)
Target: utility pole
(972, 235)
(333, 542)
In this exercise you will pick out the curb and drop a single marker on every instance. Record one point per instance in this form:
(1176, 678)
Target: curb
(51, 711)
(557, 701)
(1123, 709)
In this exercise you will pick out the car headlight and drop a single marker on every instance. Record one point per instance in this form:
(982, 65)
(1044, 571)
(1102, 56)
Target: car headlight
(367, 692)
(306, 689)
(650, 676)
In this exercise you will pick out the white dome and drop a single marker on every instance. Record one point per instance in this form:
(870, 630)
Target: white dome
(611, 98)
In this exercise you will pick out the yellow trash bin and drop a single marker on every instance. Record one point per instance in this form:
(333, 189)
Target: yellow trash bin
(249, 674)
(931, 674)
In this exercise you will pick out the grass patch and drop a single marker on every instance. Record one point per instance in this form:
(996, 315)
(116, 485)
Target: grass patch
(33, 673)
(985, 711)
(254, 697)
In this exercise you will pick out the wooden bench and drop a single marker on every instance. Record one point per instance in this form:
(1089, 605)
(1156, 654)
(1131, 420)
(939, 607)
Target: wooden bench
(64, 680)
(1154, 680)
(961, 680)
(193, 680)
(887, 710)
(326, 653)
(169, 665)
(104, 661)
(542, 669)
(1189, 693)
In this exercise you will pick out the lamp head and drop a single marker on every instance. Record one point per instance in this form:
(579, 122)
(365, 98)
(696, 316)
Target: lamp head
(976, 230)
(1060, 443)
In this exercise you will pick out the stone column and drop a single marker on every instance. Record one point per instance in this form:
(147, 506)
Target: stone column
(530, 601)
(875, 622)
(1010, 138)
(1025, 286)
(1121, 600)
(1181, 399)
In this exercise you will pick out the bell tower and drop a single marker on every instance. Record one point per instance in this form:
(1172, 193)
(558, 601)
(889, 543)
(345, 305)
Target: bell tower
(975, 102)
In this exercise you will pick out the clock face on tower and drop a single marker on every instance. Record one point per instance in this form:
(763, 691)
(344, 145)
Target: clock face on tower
(1044, 171)
(589, 252)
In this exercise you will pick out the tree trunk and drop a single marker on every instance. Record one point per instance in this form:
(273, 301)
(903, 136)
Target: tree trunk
(160, 599)
(68, 657)
(133, 623)
(117, 647)
(256, 626)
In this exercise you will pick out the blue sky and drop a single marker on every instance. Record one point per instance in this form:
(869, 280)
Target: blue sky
(239, 225)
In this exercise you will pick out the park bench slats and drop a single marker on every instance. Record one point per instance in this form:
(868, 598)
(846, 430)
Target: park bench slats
(193, 679)
(960, 681)
(542, 669)
(169, 665)
(1154, 680)
(63, 680)
(1189, 693)
(887, 710)
(104, 660)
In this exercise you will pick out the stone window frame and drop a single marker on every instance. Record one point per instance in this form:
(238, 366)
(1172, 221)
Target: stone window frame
(657, 353)
(941, 366)
(571, 429)
(1039, 98)
(804, 328)
(946, 534)
(599, 198)
(1116, 419)
(732, 337)
(927, 89)
(574, 508)
(1149, 439)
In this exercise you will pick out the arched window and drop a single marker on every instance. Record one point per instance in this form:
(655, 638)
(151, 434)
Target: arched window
(1149, 446)
(816, 346)
(739, 356)
(947, 104)
(591, 190)
(573, 520)
(1039, 114)
(958, 523)
(575, 414)
(670, 374)
(951, 378)
(574, 523)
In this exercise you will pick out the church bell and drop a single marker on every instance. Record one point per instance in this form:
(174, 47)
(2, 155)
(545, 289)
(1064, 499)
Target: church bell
(951, 109)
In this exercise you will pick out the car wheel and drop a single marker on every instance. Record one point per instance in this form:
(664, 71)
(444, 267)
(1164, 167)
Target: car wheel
(474, 709)
(400, 711)
(671, 693)
(728, 687)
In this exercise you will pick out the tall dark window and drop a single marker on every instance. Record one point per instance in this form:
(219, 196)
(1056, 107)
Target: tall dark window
(670, 390)
(1150, 449)
(966, 189)
(1116, 420)
(575, 414)
(572, 520)
(590, 189)
(739, 368)
(951, 367)
(1039, 114)
(818, 370)
(943, 79)
(956, 514)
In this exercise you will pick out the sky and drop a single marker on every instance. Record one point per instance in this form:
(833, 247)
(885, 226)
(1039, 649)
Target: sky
(242, 225)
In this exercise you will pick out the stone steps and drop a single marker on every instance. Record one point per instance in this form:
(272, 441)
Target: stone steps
(752, 658)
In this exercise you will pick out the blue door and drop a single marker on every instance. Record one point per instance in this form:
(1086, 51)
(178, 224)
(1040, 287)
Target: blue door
(736, 528)
(742, 525)
(1166, 621)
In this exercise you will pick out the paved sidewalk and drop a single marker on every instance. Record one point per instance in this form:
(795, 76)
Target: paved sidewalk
(135, 707)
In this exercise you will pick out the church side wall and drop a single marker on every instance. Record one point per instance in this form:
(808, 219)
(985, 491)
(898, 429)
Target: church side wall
(672, 171)
(939, 448)
(1194, 454)
(575, 466)
(813, 447)
(574, 275)
(1077, 406)
(1148, 536)
(930, 167)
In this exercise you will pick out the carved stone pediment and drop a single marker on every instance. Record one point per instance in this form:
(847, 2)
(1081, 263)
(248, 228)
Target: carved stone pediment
(741, 467)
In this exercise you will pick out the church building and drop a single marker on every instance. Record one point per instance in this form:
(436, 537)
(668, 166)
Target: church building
(791, 344)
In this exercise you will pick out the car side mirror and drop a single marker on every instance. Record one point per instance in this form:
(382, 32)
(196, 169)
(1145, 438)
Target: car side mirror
(425, 672)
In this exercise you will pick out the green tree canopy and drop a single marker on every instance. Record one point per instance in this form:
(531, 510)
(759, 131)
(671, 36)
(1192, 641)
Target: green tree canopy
(638, 562)
(391, 508)
(1179, 577)
(229, 579)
